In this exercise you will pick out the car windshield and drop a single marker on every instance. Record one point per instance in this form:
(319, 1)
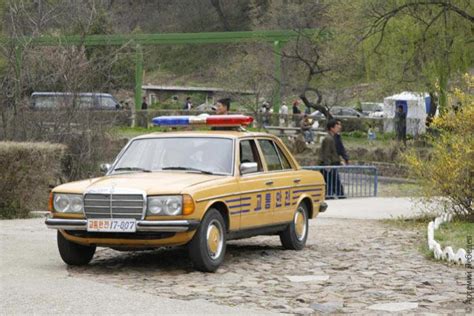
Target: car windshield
(205, 155)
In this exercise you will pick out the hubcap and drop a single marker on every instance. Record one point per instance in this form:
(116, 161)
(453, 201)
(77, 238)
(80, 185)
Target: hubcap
(215, 239)
(300, 223)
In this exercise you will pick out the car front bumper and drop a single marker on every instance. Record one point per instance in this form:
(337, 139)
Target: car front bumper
(323, 207)
(142, 226)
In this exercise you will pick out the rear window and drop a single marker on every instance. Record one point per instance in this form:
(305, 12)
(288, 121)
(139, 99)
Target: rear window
(270, 154)
(284, 160)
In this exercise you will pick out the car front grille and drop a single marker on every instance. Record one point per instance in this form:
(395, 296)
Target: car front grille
(114, 206)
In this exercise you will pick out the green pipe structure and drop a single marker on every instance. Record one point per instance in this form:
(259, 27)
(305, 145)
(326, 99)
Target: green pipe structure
(276, 37)
(138, 76)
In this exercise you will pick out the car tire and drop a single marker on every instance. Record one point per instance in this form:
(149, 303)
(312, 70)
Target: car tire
(207, 248)
(295, 235)
(74, 254)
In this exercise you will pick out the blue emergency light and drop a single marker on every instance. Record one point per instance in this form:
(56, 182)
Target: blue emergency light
(171, 121)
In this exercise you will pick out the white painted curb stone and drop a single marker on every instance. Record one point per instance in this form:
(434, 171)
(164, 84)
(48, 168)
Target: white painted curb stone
(447, 253)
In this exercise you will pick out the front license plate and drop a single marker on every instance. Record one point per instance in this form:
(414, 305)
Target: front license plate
(118, 225)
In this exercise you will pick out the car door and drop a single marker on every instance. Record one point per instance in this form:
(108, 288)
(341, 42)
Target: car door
(254, 205)
(281, 175)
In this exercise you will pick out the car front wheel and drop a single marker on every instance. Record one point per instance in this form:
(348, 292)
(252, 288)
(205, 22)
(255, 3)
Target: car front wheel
(295, 235)
(207, 248)
(74, 254)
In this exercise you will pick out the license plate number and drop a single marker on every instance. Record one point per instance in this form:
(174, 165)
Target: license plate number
(119, 225)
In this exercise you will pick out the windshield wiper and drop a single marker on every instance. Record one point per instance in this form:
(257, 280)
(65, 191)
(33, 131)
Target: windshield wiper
(187, 169)
(131, 169)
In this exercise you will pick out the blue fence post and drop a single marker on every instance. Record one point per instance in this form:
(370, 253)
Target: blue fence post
(375, 181)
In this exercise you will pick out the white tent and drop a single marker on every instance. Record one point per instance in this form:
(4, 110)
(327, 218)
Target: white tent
(416, 105)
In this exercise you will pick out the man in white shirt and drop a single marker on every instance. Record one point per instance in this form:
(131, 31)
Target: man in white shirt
(284, 114)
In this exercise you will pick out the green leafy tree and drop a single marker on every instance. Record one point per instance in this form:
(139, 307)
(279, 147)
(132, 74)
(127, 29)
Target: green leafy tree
(417, 44)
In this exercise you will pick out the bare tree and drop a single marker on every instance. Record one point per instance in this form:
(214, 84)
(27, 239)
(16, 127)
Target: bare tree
(308, 52)
(217, 5)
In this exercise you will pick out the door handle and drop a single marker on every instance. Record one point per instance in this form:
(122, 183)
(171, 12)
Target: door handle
(269, 182)
(297, 180)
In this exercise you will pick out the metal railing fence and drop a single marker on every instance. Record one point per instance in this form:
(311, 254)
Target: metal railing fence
(348, 181)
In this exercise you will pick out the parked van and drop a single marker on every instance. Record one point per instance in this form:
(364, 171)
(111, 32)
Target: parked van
(55, 100)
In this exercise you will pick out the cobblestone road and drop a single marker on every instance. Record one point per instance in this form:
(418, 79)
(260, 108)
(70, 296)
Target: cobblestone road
(348, 266)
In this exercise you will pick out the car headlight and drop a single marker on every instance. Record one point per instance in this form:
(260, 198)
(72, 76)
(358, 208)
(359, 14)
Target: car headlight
(68, 203)
(165, 205)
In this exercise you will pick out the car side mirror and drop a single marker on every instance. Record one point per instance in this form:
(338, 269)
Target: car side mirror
(248, 167)
(105, 167)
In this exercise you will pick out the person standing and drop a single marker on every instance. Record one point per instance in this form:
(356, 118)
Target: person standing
(296, 112)
(284, 114)
(144, 104)
(188, 104)
(401, 125)
(330, 157)
(341, 150)
(266, 113)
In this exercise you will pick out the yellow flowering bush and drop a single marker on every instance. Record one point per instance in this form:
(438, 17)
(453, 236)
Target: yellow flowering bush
(449, 171)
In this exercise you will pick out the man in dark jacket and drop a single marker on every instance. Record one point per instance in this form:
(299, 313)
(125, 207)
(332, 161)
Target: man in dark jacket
(330, 157)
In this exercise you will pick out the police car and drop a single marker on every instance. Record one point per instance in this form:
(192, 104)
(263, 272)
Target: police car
(194, 188)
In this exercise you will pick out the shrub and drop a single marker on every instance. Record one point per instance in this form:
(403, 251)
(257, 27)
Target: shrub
(85, 133)
(449, 172)
(27, 171)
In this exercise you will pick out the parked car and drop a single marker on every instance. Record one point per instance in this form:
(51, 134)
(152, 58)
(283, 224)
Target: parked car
(198, 189)
(316, 114)
(343, 111)
(56, 100)
(370, 107)
(377, 114)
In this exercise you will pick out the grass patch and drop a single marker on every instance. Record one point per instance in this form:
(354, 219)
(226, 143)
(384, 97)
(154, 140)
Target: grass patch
(454, 234)
(419, 222)
(398, 189)
(364, 142)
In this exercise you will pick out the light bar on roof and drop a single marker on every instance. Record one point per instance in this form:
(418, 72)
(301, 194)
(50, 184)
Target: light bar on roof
(209, 120)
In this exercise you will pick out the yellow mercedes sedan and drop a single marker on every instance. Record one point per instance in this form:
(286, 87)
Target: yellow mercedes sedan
(193, 188)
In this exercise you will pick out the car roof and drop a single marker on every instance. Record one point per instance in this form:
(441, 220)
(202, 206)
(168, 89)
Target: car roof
(217, 134)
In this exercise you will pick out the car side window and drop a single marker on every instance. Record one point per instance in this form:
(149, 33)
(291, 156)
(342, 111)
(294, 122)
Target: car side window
(84, 102)
(249, 153)
(284, 159)
(270, 154)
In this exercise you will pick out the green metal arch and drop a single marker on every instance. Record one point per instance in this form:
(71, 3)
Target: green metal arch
(277, 37)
